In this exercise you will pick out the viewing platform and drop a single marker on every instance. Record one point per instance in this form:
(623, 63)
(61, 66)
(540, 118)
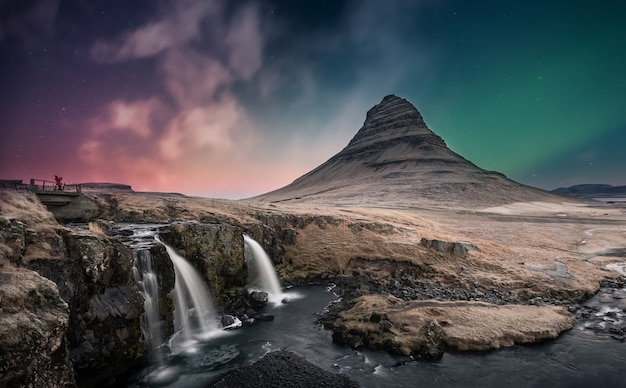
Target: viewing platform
(51, 194)
(43, 186)
(66, 201)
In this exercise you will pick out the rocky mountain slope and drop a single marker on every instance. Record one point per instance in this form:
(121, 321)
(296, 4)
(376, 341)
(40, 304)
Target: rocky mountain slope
(397, 160)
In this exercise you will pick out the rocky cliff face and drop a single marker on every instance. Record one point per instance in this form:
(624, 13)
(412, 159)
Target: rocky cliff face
(69, 302)
(105, 304)
(33, 323)
(396, 159)
(215, 250)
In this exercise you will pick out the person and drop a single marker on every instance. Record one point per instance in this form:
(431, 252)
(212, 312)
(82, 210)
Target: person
(59, 181)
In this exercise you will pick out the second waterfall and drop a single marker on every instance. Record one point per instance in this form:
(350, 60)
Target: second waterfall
(266, 278)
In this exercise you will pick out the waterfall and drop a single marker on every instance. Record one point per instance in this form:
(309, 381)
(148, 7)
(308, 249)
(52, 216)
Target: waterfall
(149, 288)
(267, 278)
(193, 309)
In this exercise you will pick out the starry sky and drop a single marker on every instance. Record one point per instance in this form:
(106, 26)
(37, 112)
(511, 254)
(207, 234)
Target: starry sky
(230, 99)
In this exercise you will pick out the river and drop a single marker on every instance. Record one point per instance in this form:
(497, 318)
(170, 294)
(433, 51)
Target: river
(581, 357)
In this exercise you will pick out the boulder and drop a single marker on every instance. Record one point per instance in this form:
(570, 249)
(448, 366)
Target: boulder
(457, 249)
(230, 322)
(258, 298)
(33, 322)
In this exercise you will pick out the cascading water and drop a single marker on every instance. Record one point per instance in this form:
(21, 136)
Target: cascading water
(194, 313)
(268, 280)
(149, 288)
(194, 318)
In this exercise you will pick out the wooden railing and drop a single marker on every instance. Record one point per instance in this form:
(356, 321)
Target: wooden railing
(41, 185)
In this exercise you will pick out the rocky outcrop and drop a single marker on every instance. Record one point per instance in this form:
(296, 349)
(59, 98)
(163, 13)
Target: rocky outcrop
(423, 329)
(455, 248)
(215, 250)
(33, 323)
(106, 307)
(70, 306)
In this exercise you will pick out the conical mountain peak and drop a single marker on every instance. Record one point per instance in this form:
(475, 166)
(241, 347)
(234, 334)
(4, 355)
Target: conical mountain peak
(396, 159)
(393, 118)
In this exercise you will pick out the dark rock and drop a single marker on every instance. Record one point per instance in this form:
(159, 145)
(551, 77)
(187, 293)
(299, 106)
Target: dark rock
(435, 345)
(282, 369)
(258, 298)
(105, 305)
(228, 320)
(376, 317)
(386, 325)
(264, 318)
(356, 342)
(352, 338)
(92, 275)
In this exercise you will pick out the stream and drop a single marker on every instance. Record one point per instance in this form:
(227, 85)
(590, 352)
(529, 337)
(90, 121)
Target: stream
(584, 356)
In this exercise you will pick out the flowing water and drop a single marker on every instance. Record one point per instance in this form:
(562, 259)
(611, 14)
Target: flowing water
(149, 287)
(193, 307)
(266, 277)
(578, 358)
(582, 357)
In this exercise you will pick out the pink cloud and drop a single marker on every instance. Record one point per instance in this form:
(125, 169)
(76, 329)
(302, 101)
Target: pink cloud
(198, 129)
(135, 117)
(211, 128)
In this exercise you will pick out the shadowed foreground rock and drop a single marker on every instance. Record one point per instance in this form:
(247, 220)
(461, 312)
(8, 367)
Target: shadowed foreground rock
(282, 369)
(33, 321)
(69, 305)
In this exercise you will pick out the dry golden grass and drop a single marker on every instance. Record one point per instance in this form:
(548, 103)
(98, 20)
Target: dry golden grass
(25, 207)
(465, 325)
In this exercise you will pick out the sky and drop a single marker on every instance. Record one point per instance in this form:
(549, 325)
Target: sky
(230, 99)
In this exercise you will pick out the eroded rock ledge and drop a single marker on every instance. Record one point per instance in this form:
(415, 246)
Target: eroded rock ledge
(425, 328)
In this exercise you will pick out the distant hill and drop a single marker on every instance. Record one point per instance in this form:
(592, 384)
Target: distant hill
(105, 186)
(395, 159)
(592, 191)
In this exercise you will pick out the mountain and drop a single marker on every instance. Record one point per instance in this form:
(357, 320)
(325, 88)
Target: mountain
(592, 191)
(395, 159)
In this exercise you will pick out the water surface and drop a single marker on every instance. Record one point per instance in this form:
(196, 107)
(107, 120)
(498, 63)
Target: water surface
(578, 358)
